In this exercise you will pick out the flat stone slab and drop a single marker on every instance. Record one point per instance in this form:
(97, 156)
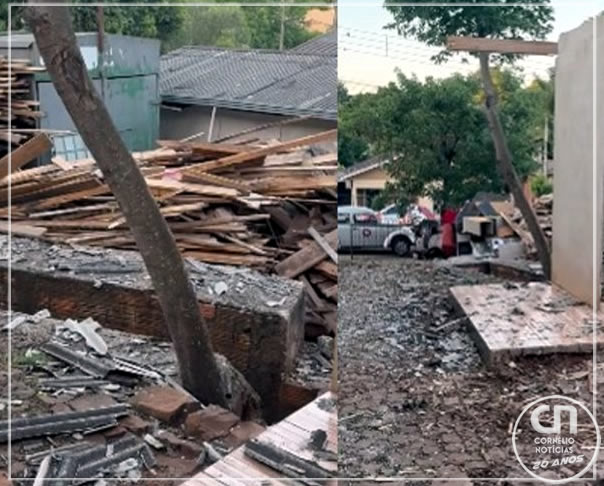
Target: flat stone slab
(527, 319)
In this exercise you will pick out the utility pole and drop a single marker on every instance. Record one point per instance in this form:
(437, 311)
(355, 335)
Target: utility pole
(282, 32)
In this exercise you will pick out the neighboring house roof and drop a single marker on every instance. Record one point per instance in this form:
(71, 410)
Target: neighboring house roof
(360, 168)
(322, 45)
(277, 82)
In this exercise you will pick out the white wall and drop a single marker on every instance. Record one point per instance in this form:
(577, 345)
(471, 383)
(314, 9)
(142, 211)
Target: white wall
(573, 266)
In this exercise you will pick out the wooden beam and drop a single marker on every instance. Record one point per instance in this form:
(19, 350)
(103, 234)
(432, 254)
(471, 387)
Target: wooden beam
(502, 46)
(27, 152)
(261, 152)
(306, 258)
(323, 244)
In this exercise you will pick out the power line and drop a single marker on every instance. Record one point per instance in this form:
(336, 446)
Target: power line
(407, 59)
(374, 37)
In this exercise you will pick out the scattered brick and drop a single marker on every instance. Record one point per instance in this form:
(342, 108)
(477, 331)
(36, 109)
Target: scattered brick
(210, 423)
(135, 424)
(188, 448)
(4, 481)
(164, 403)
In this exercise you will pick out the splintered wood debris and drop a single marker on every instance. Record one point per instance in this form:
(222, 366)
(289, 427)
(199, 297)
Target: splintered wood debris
(24, 112)
(270, 206)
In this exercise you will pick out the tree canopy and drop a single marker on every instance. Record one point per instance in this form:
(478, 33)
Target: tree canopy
(154, 21)
(433, 25)
(437, 136)
(221, 25)
(352, 147)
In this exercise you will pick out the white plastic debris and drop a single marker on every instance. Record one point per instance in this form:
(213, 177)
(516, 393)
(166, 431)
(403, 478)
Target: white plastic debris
(87, 329)
(17, 321)
(276, 303)
(125, 466)
(153, 442)
(40, 316)
(42, 471)
(220, 288)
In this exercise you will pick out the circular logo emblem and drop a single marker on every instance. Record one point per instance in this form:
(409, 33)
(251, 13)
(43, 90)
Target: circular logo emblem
(366, 232)
(556, 439)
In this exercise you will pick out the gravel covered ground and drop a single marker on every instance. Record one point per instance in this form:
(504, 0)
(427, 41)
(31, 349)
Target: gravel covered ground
(415, 398)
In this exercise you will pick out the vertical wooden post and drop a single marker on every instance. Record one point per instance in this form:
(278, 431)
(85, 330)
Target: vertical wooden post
(506, 168)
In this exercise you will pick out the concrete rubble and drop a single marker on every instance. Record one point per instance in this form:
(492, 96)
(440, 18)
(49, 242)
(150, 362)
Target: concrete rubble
(415, 397)
(138, 419)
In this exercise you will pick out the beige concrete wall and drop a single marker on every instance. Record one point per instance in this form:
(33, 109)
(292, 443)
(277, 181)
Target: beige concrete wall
(175, 125)
(575, 174)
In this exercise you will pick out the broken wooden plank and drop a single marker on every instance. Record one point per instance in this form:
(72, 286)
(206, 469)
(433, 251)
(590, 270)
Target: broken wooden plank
(30, 150)
(306, 258)
(323, 244)
(261, 152)
(502, 46)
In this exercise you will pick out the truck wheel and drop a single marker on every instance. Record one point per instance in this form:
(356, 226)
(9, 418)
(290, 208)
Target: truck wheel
(401, 246)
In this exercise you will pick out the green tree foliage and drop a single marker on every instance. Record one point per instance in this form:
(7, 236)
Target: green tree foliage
(433, 25)
(265, 26)
(155, 22)
(437, 135)
(541, 185)
(220, 26)
(352, 148)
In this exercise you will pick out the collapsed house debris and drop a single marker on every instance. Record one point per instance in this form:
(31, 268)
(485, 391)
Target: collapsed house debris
(77, 413)
(303, 448)
(270, 207)
(23, 109)
(255, 320)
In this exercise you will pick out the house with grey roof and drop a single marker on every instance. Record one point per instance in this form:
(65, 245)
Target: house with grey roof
(219, 92)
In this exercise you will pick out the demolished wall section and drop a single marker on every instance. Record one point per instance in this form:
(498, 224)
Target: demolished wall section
(255, 320)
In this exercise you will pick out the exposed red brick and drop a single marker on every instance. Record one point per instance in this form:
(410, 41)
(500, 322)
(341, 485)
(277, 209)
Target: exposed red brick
(243, 432)
(210, 423)
(164, 403)
(188, 448)
(4, 480)
(135, 424)
(208, 311)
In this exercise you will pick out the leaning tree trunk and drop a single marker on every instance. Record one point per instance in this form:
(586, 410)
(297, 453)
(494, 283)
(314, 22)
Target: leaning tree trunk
(56, 41)
(506, 168)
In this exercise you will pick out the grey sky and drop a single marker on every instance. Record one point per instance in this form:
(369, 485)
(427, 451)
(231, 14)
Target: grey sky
(368, 55)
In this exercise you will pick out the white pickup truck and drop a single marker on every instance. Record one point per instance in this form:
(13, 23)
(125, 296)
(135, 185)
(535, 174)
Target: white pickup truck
(359, 228)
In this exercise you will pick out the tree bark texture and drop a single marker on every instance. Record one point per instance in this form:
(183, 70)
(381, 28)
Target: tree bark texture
(56, 41)
(506, 168)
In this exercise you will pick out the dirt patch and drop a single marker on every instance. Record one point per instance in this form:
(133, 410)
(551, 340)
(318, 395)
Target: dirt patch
(415, 398)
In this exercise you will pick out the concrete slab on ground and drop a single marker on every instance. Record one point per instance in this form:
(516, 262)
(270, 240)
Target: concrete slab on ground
(535, 318)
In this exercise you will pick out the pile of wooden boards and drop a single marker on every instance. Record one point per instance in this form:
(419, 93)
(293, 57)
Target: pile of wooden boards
(16, 78)
(543, 207)
(270, 206)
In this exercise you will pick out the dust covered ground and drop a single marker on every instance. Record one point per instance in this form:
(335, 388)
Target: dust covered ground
(417, 401)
